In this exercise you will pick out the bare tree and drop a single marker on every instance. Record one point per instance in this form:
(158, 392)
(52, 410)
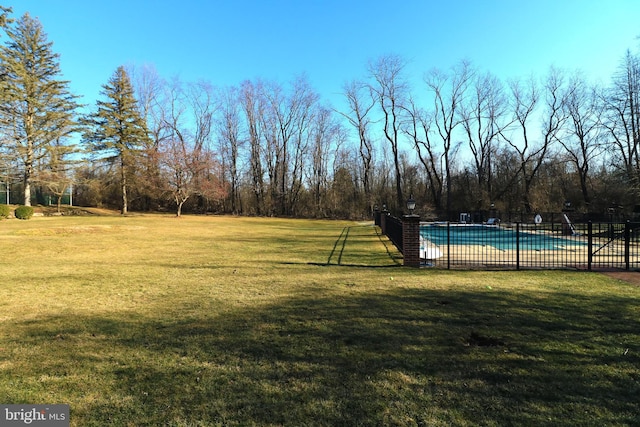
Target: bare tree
(524, 102)
(185, 153)
(57, 176)
(181, 167)
(532, 154)
(231, 143)
(327, 138)
(582, 141)
(150, 90)
(148, 86)
(202, 100)
(622, 103)
(252, 106)
(448, 91)
(286, 123)
(419, 129)
(361, 101)
(390, 90)
(304, 103)
(483, 119)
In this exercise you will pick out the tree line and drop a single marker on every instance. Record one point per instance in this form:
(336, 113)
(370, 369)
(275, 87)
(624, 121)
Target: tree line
(462, 140)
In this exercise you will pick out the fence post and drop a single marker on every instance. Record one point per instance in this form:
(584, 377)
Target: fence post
(627, 244)
(411, 240)
(517, 246)
(448, 245)
(590, 245)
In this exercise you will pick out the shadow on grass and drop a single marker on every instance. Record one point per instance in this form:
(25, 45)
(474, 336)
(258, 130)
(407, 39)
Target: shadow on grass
(401, 357)
(362, 235)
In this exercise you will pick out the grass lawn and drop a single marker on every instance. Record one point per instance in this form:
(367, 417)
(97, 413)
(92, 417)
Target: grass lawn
(203, 321)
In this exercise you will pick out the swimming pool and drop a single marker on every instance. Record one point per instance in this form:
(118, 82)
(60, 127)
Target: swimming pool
(495, 236)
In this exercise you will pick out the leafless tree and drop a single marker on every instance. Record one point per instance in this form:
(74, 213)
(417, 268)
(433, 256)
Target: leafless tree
(418, 128)
(150, 90)
(582, 140)
(622, 103)
(182, 167)
(202, 100)
(390, 89)
(148, 87)
(304, 102)
(57, 175)
(533, 153)
(228, 130)
(252, 105)
(360, 101)
(286, 123)
(326, 141)
(185, 153)
(448, 91)
(483, 118)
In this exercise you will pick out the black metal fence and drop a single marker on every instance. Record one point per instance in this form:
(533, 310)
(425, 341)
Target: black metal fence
(520, 245)
(394, 231)
(590, 246)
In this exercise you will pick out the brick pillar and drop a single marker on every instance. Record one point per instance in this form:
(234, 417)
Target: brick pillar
(411, 240)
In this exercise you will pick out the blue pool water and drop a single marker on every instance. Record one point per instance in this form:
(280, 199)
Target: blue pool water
(498, 237)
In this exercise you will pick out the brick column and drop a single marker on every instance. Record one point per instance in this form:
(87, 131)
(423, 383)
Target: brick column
(411, 240)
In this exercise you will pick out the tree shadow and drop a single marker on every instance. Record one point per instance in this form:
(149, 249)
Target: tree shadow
(398, 357)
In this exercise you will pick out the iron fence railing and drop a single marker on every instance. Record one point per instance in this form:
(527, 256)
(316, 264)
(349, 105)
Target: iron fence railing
(590, 246)
(394, 231)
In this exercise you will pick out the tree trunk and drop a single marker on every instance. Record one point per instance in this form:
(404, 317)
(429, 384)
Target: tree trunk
(123, 170)
(27, 187)
(28, 172)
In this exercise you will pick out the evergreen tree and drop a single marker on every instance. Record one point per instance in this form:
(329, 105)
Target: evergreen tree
(36, 107)
(116, 130)
(4, 16)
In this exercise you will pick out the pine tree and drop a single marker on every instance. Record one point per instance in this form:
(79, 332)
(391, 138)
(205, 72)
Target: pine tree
(36, 107)
(4, 16)
(117, 131)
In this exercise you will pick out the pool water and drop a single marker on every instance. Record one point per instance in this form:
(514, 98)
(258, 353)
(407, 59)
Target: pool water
(498, 237)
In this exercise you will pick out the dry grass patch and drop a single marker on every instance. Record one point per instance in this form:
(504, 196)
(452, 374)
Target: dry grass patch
(153, 320)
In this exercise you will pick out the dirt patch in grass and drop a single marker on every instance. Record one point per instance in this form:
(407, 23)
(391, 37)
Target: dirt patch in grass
(632, 277)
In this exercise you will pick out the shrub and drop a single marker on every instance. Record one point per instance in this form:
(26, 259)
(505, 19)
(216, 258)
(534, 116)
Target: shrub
(24, 212)
(5, 211)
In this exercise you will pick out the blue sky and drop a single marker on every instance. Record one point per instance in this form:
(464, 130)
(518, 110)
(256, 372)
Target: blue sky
(331, 41)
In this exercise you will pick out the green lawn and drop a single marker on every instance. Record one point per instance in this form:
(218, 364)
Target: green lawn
(205, 321)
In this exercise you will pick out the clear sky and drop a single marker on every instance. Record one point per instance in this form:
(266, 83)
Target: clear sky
(331, 41)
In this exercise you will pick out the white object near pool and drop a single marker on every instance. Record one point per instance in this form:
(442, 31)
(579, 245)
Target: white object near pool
(428, 250)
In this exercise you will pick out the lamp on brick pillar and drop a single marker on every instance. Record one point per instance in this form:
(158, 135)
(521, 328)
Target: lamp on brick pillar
(411, 236)
(411, 204)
